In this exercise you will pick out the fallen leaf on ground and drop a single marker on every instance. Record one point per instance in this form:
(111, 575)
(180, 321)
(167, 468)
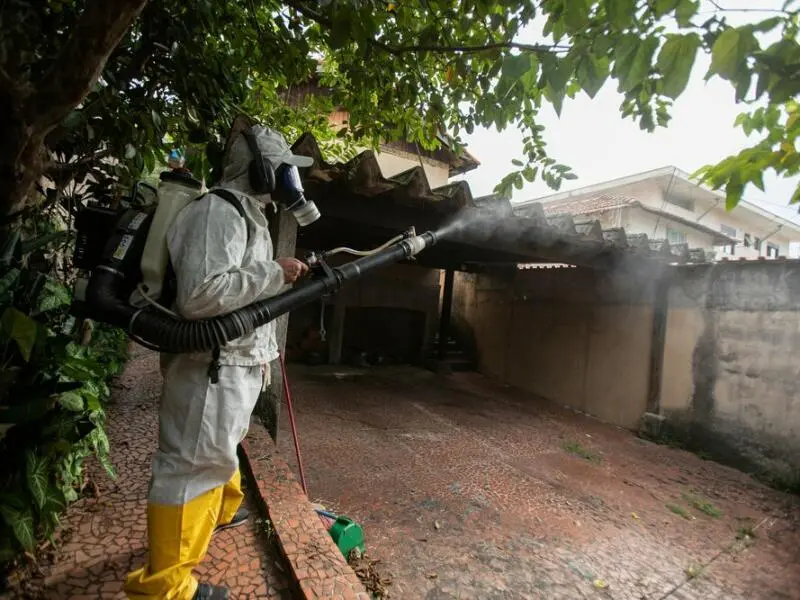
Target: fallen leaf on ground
(368, 573)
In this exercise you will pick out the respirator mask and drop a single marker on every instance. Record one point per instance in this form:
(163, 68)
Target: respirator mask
(289, 194)
(282, 184)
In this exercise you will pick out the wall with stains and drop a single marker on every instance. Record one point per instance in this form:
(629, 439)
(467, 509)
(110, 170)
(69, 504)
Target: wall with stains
(574, 336)
(730, 383)
(729, 380)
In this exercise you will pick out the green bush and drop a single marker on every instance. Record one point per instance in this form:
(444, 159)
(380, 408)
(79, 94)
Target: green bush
(53, 391)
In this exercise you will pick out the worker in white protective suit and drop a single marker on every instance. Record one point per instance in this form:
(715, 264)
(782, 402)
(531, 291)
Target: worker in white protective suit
(220, 267)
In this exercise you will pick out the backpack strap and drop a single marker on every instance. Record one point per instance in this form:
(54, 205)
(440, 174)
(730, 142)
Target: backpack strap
(233, 200)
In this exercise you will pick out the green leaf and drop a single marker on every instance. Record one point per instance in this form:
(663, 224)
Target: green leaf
(19, 327)
(21, 523)
(53, 295)
(730, 51)
(37, 477)
(675, 61)
(576, 14)
(529, 173)
(625, 57)
(592, 74)
(516, 162)
(758, 179)
(662, 7)
(514, 66)
(634, 61)
(795, 196)
(685, 10)
(71, 401)
(93, 402)
(767, 24)
(620, 12)
(733, 192)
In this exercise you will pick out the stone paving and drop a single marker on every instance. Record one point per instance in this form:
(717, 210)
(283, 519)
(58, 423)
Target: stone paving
(467, 489)
(104, 537)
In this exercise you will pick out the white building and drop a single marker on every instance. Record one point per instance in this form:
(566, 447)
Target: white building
(666, 204)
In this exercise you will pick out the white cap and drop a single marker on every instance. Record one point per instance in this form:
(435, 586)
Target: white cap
(274, 148)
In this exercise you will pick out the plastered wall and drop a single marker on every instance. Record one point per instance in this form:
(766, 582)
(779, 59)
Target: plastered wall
(573, 336)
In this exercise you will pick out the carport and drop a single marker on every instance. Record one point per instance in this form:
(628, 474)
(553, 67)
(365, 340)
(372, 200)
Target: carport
(468, 488)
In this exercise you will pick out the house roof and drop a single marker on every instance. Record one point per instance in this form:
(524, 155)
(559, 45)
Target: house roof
(606, 202)
(362, 208)
(668, 177)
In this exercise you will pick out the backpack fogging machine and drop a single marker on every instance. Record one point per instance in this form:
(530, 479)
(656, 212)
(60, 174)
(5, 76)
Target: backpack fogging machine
(126, 278)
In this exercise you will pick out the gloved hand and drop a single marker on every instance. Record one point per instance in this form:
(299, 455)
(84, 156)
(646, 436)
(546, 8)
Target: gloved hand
(293, 269)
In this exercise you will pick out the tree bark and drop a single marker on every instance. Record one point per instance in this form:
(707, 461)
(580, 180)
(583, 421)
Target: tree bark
(29, 112)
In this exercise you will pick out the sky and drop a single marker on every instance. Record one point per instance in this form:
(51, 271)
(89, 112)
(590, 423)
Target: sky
(593, 139)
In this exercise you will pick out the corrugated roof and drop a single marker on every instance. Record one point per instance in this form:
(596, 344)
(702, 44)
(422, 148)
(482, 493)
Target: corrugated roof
(357, 197)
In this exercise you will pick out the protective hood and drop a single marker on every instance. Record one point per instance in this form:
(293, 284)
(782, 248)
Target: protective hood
(273, 148)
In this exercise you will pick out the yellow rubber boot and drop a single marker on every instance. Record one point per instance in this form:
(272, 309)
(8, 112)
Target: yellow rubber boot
(179, 536)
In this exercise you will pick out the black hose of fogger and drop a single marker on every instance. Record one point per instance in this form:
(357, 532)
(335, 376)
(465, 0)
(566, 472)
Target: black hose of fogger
(160, 331)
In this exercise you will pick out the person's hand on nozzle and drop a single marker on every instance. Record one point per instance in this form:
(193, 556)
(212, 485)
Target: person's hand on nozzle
(293, 269)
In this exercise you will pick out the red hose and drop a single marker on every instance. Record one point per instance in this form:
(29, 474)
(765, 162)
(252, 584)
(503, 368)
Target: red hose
(288, 394)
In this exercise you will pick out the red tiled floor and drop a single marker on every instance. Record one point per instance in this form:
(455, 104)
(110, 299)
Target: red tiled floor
(465, 490)
(106, 537)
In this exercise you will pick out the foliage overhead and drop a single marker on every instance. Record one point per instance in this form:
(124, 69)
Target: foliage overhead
(403, 70)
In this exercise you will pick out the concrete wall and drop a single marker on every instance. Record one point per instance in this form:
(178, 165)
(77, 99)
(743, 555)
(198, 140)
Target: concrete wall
(574, 336)
(729, 380)
(730, 383)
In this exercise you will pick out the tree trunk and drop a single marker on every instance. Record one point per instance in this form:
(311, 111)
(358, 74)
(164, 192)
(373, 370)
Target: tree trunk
(30, 110)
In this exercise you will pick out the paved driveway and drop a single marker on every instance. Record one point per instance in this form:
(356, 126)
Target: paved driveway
(467, 489)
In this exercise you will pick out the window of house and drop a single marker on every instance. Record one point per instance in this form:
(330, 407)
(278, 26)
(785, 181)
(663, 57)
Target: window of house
(729, 250)
(684, 203)
(675, 236)
(748, 240)
(757, 243)
(772, 250)
(728, 230)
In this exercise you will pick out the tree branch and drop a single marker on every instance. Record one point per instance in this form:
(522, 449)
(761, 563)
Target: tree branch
(135, 66)
(761, 10)
(100, 28)
(398, 50)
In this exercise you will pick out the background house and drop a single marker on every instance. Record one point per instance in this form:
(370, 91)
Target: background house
(666, 204)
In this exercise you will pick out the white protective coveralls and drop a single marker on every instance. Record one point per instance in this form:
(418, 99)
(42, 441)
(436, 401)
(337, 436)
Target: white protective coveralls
(195, 485)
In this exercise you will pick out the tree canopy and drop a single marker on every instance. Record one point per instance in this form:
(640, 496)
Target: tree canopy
(101, 88)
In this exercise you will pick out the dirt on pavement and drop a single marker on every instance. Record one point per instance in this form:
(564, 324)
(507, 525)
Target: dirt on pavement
(469, 489)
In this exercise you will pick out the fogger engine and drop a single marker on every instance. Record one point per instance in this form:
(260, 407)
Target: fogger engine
(128, 282)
